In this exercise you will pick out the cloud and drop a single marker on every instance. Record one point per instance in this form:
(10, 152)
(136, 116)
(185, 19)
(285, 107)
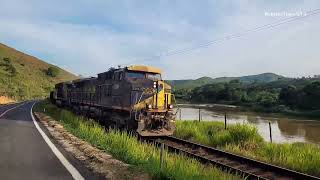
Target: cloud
(89, 37)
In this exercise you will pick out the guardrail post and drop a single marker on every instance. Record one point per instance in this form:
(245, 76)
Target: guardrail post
(180, 114)
(199, 114)
(161, 155)
(270, 132)
(225, 120)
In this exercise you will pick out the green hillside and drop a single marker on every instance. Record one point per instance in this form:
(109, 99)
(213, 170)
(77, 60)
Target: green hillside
(261, 78)
(190, 84)
(25, 77)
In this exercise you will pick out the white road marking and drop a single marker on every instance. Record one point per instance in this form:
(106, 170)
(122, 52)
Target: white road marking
(72, 170)
(10, 109)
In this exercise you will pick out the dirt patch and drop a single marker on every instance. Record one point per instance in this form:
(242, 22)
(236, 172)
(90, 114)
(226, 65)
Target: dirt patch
(95, 159)
(5, 100)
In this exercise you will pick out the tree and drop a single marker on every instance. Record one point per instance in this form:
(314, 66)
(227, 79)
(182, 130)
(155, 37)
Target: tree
(310, 96)
(267, 99)
(53, 71)
(288, 95)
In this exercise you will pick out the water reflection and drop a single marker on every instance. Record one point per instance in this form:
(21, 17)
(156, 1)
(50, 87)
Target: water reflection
(284, 129)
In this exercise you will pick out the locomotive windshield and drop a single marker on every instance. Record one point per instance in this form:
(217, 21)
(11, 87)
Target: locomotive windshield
(153, 76)
(143, 75)
(135, 75)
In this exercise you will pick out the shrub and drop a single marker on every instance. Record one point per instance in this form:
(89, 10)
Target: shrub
(53, 71)
(8, 66)
(7, 60)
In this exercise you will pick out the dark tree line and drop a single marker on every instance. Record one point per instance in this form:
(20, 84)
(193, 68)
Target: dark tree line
(307, 97)
(256, 95)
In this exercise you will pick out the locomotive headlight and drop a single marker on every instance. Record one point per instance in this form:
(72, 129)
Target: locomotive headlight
(154, 84)
(149, 106)
(170, 106)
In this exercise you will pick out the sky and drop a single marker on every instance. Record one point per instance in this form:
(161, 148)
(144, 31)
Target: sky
(88, 37)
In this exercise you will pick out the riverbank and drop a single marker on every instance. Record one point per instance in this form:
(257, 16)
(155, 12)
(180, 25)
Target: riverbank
(245, 140)
(128, 149)
(275, 111)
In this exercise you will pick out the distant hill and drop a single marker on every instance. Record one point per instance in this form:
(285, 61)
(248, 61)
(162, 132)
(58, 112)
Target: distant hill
(259, 78)
(25, 77)
(189, 83)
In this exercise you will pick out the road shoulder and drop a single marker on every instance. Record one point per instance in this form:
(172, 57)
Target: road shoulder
(87, 173)
(96, 160)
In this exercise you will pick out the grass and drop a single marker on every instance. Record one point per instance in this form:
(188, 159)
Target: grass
(213, 133)
(127, 148)
(245, 140)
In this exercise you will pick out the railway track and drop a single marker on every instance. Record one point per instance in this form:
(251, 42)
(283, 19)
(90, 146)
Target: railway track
(249, 168)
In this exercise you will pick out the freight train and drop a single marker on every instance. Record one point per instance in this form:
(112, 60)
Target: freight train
(132, 97)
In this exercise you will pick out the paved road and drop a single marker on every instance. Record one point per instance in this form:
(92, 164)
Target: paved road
(5, 107)
(24, 154)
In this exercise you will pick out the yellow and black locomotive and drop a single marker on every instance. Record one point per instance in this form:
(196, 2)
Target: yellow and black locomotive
(133, 97)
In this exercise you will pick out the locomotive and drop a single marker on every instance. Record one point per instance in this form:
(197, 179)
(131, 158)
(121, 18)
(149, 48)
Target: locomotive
(132, 97)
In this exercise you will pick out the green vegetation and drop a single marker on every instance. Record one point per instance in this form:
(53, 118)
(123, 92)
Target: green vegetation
(53, 71)
(128, 149)
(213, 133)
(245, 140)
(8, 67)
(190, 84)
(233, 92)
(294, 97)
(25, 77)
(307, 97)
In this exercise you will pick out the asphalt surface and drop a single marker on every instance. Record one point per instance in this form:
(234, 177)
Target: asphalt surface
(23, 152)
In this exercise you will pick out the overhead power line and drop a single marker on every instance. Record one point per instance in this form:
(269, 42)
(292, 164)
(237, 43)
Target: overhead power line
(229, 37)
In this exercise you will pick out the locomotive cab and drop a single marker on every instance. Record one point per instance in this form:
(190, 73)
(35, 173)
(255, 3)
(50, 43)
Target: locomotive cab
(151, 101)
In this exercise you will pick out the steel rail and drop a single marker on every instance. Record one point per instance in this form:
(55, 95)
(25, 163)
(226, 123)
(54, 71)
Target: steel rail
(232, 163)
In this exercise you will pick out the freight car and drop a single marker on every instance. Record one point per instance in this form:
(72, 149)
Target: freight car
(133, 97)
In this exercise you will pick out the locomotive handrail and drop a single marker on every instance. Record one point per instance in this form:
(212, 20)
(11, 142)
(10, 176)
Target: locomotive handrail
(176, 112)
(175, 104)
(135, 115)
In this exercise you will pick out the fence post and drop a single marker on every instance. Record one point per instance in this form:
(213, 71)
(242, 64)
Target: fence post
(180, 114)
(199, 114)
(225, 120)
(161, 155)
(270, 132)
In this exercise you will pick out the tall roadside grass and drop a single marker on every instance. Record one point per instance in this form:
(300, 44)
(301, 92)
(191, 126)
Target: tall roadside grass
(128, 149)
(244, 139)
(213, 133)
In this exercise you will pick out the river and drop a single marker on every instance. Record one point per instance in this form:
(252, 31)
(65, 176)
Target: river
(284, 129)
